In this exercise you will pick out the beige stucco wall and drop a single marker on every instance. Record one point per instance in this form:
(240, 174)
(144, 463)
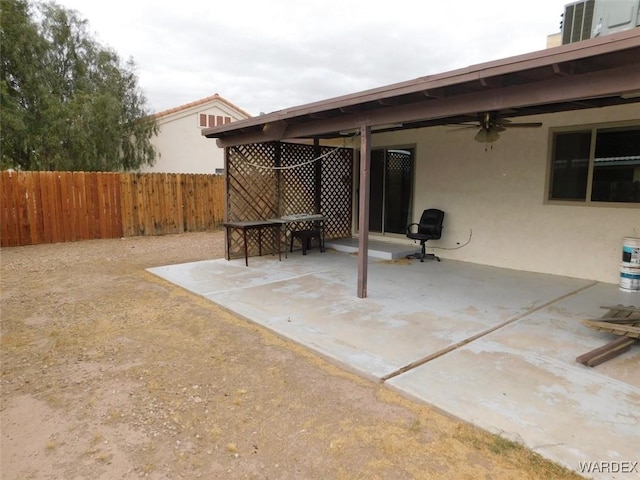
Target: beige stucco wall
(499, 195)
(181, 147)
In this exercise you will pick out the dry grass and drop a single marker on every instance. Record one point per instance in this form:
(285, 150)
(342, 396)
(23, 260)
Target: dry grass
(127, 376)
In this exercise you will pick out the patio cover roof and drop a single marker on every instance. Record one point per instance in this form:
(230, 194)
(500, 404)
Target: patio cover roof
(594, 73)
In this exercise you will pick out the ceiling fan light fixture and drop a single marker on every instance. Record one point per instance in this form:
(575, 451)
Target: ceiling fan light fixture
(492, 136)
(487, 136)
(481, 136)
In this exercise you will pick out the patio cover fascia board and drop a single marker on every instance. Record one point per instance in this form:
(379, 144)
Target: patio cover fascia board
(555, 79)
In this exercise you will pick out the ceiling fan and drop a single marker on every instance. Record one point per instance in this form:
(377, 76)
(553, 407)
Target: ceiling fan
(490, 126)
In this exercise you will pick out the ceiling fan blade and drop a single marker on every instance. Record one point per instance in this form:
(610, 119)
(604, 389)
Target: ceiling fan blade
(523, 125)
(461, 127)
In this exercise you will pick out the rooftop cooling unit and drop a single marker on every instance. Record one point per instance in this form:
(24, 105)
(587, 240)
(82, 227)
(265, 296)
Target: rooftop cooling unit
(592, 18)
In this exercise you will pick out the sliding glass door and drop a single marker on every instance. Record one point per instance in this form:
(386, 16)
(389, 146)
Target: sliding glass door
(391, 190)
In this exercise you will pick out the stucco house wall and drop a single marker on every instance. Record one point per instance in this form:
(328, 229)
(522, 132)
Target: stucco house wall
(180, 146)
(500, 195)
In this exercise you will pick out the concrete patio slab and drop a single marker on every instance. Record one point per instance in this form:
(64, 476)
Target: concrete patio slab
(499, 345)
(523, 382)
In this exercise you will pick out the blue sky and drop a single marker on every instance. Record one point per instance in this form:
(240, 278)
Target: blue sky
(269, 55)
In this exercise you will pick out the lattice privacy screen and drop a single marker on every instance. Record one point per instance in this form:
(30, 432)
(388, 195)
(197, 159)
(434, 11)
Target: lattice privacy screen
(270, 180)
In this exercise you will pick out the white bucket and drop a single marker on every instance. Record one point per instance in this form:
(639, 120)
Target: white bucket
(629, 278)
(631, 252)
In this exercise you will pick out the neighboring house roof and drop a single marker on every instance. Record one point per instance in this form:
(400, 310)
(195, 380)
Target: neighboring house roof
(593, 73)
(196, 103)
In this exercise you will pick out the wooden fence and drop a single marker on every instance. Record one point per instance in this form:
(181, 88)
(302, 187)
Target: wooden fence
(48, 207)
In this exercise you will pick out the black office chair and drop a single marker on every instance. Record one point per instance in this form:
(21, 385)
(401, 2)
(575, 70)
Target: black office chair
(429, 228)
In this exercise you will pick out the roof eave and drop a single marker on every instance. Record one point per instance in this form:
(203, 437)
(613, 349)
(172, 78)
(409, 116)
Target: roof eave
(257, 127)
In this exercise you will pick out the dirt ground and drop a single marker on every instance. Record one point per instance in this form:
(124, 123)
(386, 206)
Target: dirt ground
(109, 372)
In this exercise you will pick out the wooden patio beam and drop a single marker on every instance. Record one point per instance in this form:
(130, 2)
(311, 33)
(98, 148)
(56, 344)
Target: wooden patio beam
(491, 82)
(363, 218)
(351, 108)
(559, 89)
(562, 69)
(437, 93)
(275, 129)
(564, 89)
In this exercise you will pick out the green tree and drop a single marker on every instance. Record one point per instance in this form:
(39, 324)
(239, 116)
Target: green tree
(68, 103)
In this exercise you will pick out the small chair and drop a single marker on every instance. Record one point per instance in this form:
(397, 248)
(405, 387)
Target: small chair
(305, 237)
(429, 228)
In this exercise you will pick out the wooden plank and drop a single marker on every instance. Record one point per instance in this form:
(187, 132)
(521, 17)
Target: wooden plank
(111, 212)
(127, 206)
(109, 204)
(24, 230)
(149, 193)
(80, 199)
(18, 196)
(73, 208)
(160, 202)
(167, 204)
(147, 199)
(32, 209)
(76, 218)
(53, 207)
(176, 199)
(208, 204)
(189, 203)
(93, 205)
(48, 212)
(627, 330)
(221, 199)
(198, 202)
(9, 214)
(140, 196)
(172, 206)
(24, 227)
(152, 200)
(130, 208)
(5, 208)
(179, 204)
(38, 205)
(10, 235)
(66, 206)
(606, 352)
(14, 212)
(122, 177)
(107, 193)
(102, 205)
(621, 308)
(59, 207)
(183, 200)
(203, 201)
(620, 320)
(117, 206)
(135, 194)
(218, 201)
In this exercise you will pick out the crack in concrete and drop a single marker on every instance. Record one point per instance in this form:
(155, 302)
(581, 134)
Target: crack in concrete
(466, 341)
